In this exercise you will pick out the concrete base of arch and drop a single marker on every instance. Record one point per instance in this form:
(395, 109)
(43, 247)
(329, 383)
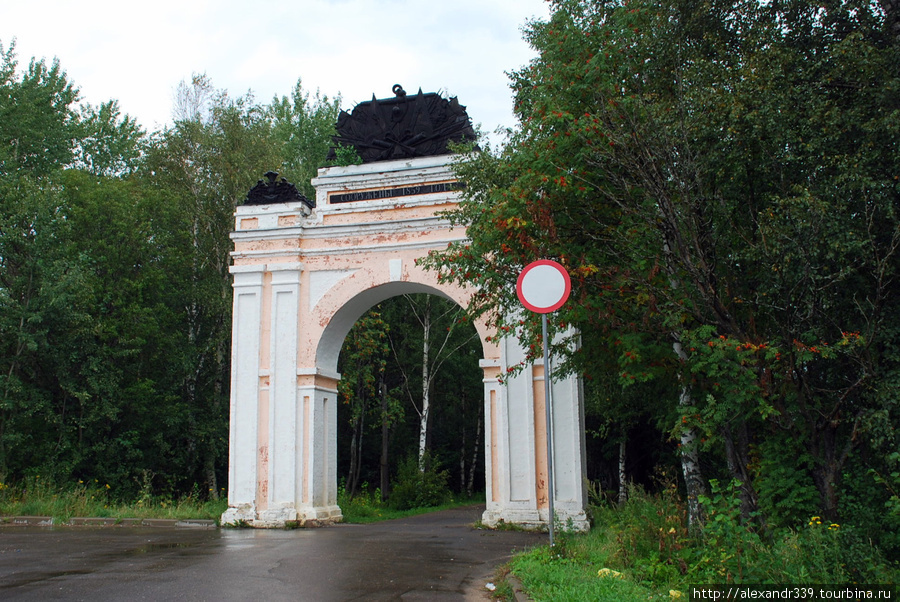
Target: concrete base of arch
(301, 281)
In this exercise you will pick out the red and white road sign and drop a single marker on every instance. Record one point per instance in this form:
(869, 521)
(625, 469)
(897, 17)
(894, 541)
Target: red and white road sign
(543, 286)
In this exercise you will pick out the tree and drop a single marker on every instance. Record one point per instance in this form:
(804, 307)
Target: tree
(362, 388)
(373, 387)
(204, 165)
(430, 316)
(663, 158)
(72, 324)
(38, 116)
(115, 294)
(302, 129)
(109, 143)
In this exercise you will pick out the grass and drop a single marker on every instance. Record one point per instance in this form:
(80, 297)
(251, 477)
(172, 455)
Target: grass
(367, 507)
(643, 551)
(39, 498)
(35, 497)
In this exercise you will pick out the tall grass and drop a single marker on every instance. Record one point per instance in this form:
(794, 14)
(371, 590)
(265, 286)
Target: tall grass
(37, 497)
(643, 550)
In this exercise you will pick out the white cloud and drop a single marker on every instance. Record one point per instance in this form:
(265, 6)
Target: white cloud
(137, 53)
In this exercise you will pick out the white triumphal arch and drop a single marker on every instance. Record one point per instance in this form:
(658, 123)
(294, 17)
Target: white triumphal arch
(303, 274)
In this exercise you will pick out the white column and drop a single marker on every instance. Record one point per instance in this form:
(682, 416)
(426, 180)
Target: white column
(492, 468)
(569, 452)
(317, 469)
(283, 405)
(515, 477)
(520, 422)
(245, 347)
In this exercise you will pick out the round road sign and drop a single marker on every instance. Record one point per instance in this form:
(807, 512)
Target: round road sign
(543, 286)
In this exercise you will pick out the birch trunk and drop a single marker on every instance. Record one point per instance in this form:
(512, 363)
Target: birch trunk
(470, 486)
(623, 492)
(385, 440)
(690, 455)
(462, 456)
(426, 383)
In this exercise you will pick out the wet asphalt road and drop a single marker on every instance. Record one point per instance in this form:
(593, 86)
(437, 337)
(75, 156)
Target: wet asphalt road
(437, 556)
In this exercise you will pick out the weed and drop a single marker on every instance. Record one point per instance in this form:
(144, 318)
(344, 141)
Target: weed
(37, 497)
(643, 550)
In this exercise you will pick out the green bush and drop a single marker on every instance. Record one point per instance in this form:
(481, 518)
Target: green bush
(415, 488)
(870, 502)
(786, 490)
(643, 550)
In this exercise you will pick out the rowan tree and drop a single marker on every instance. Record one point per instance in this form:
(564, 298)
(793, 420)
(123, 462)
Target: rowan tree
(720, 181)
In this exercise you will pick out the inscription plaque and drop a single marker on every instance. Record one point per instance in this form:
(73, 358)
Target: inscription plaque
(388, 193)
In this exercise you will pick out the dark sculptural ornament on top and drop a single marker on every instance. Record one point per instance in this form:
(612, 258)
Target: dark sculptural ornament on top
(266, 193)
(403, 126)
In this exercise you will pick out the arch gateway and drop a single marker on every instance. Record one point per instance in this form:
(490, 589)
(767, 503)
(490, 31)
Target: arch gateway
(305, 271)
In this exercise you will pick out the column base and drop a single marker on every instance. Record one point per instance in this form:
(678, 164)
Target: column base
(566, 520)
(245, 515)
(241, 515)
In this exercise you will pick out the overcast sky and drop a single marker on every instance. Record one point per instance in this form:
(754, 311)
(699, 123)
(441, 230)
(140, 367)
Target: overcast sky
(137, 52)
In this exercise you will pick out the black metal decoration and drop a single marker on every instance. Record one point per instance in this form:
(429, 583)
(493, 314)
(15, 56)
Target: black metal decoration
(403, 126)
(267, 193)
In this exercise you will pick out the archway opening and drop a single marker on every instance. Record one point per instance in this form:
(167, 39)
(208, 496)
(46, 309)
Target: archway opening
(410, 416)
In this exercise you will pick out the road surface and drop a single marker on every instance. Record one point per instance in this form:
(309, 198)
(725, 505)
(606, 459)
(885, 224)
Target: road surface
(438, 556)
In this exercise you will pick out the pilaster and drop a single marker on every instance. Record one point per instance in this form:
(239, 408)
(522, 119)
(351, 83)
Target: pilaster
(244, 404)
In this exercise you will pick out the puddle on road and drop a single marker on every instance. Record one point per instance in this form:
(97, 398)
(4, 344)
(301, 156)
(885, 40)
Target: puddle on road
(157, 547)
(25, 579)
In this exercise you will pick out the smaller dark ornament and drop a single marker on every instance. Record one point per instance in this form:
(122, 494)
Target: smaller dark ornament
(267, 193)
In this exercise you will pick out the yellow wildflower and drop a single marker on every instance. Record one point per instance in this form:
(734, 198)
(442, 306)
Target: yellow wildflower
(675, 594)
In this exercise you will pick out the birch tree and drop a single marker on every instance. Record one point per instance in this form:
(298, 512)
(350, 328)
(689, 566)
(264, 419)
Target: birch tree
(440, 325)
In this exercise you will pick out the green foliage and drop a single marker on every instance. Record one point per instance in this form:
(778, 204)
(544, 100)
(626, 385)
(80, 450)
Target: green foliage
(38, 496)
(644, 549)
(77, 278)
(346, 155)
(663, 159)
(302, 130)
(891, 482)
(366, 350)
(366, 506)
(109, 143)
(869, 502)
(546, 577)
(38, 119)
(415, 488)
(814, 551)
(114, 284)
(392, 391)
(363, 391)
(727, 539)
(786, 490)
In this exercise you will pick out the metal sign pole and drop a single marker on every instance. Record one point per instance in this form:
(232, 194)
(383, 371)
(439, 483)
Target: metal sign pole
(543, 287)
(550, 488)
